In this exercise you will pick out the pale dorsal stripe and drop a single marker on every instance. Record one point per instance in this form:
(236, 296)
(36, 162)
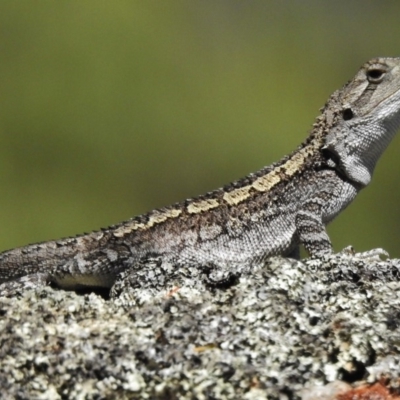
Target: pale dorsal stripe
(202, 205)
(266, 182)
(262, 184)
(155, 218)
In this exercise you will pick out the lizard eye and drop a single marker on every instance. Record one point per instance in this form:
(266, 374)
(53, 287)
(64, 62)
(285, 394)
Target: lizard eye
(375, 75)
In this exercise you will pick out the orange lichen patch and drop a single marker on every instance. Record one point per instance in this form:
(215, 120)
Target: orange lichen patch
(202, 349)
(377, 391)
(172, 292)
(255, 382)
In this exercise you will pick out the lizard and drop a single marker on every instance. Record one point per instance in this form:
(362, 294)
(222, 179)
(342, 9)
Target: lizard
(269, 212)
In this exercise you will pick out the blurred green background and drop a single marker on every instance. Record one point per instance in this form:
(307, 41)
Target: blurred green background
(109, 109)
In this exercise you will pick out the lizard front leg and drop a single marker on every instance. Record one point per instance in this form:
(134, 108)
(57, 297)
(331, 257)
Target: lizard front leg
(310, 228)
(323, 203)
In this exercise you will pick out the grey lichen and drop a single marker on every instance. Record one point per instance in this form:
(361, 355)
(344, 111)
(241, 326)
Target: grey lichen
(285, 329)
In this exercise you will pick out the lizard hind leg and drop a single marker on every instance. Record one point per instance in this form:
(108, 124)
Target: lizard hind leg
(150, 274)
(21, 284)
(218, 277)
(154, 276)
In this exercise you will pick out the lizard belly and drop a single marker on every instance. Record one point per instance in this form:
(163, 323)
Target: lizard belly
(251, 245)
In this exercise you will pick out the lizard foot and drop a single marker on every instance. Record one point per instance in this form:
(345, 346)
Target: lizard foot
(20, 285)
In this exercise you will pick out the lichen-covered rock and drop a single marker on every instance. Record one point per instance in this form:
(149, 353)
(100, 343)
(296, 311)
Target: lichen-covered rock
(286, 329)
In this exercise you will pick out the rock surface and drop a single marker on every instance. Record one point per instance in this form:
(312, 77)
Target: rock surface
(316, 329)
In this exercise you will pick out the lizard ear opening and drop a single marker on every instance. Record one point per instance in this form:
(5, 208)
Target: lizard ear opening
(344, 153)
(347, 114)
(330, 156)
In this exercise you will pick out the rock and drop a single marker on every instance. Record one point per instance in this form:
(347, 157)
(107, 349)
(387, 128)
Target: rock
(281, 330)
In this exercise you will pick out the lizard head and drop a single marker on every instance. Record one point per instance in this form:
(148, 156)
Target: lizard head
(362, 118)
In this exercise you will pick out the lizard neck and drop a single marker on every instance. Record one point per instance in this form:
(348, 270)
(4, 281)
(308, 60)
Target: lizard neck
(358, 144)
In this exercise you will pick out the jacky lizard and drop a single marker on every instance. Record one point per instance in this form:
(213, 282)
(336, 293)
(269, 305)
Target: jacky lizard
(269, 212)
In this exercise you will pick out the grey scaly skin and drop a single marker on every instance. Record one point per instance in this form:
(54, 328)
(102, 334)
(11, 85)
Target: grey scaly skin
(269, 212)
